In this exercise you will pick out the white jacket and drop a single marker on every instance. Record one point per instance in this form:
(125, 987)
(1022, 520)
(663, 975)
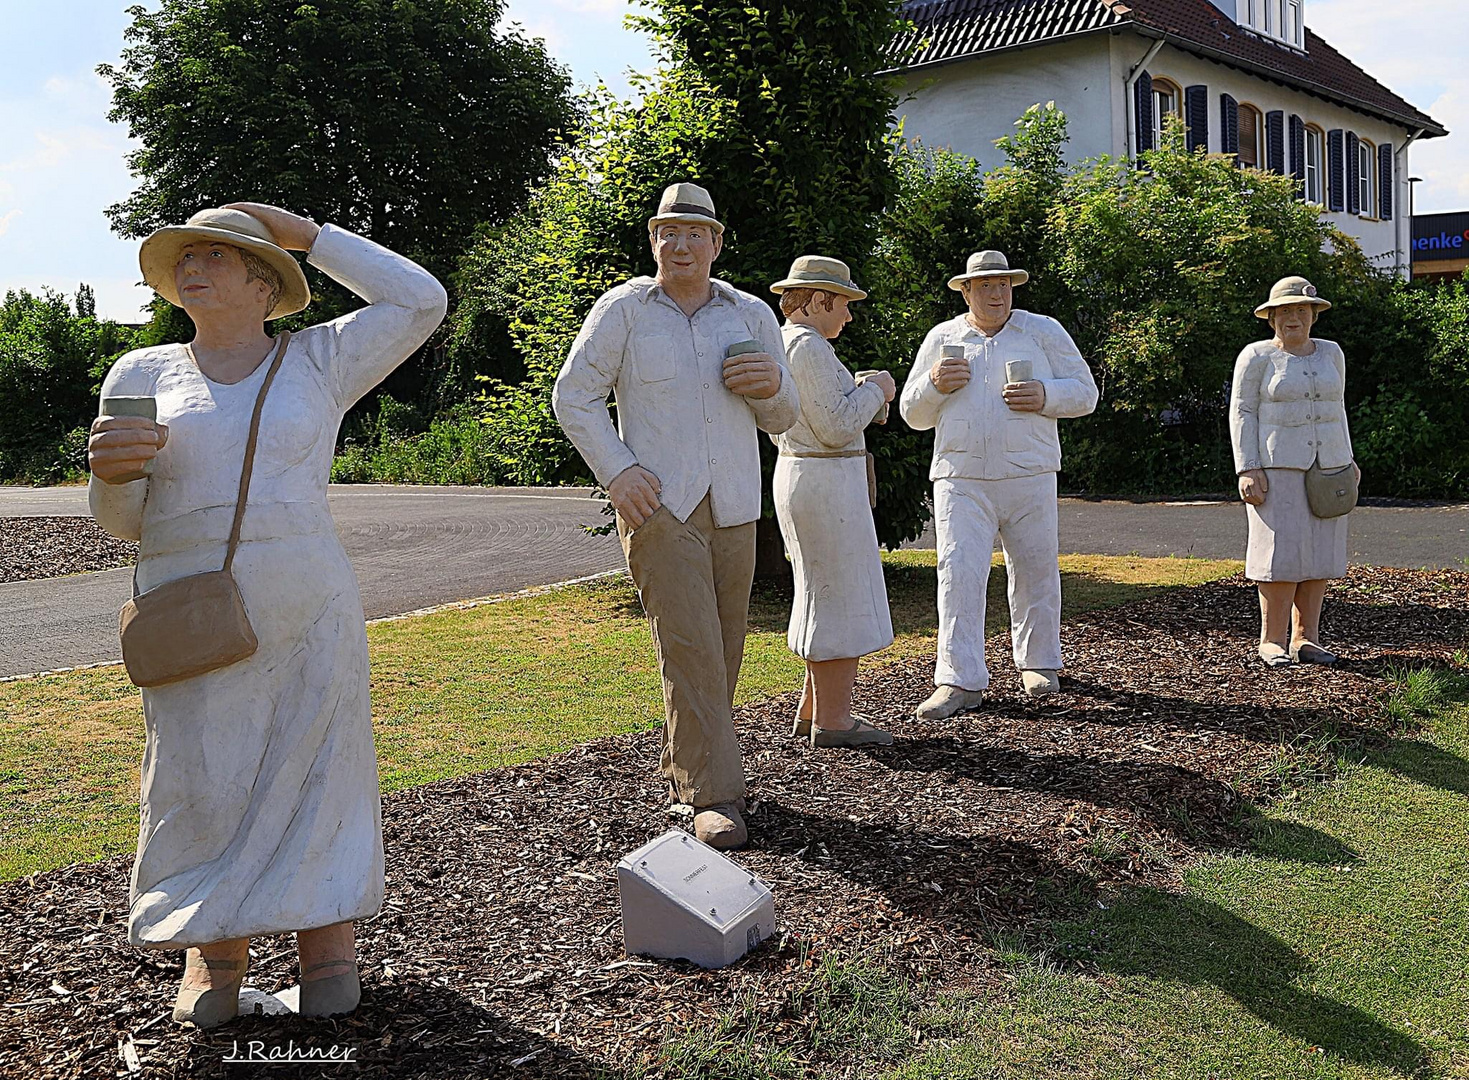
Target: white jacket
(1287, 411)
(979, 436)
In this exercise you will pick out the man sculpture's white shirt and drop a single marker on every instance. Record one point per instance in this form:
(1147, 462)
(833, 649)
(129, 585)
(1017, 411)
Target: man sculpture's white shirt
(675, 416)
(980, 437)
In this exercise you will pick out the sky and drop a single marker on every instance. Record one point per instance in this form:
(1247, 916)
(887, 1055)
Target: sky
(62, 164)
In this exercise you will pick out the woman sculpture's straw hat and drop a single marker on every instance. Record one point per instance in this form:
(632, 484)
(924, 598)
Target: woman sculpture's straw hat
(818, 272)
(987, 264)
(160, 254)
(1291, 290)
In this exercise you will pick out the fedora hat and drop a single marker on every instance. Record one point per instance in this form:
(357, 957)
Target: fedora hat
(160, 254)
(983, 264)
(1291, 290)
(686, 203)
(818, 272)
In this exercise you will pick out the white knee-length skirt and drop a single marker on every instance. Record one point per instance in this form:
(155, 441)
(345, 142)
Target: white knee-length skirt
(841, 603)
(1287, 541)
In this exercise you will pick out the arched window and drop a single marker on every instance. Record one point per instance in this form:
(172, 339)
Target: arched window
(1251, 137)
(1366, 179)
(1167, 101)
(1315, 165)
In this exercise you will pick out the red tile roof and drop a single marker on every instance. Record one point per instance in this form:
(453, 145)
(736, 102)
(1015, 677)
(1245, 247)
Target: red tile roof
(956, 29)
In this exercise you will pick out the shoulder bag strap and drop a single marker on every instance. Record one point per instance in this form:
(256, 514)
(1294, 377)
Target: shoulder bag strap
(275, 365)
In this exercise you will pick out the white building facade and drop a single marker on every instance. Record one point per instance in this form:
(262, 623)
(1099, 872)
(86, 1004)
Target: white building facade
(1247, 77)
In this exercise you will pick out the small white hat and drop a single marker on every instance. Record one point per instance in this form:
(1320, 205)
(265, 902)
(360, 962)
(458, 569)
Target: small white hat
(983, 264)
(1291, 290)
(688, 203)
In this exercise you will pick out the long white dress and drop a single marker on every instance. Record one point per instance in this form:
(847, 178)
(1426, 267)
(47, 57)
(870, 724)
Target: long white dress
(260, 807)
(840, 609)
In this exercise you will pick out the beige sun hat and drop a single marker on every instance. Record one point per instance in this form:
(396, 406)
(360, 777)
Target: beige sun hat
(160, 254)
(687, 203)
(819, 272)
(983, 264)
(1291, 290)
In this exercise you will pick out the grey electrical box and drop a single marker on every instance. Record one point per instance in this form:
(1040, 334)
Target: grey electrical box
(681, 899)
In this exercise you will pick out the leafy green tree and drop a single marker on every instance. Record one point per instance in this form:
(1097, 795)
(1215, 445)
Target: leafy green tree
(412, 123)
(51, 363)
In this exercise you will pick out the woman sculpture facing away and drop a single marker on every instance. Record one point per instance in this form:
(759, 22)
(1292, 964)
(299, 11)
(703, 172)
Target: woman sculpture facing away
(1288, 424)
(260, 808)
(840, 610)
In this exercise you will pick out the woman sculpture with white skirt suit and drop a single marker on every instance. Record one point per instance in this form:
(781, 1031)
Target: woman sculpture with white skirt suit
(260, 808)
(1287, 412)
(840, 611)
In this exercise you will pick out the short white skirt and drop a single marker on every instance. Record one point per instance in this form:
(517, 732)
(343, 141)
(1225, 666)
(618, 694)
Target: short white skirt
(1287, 541)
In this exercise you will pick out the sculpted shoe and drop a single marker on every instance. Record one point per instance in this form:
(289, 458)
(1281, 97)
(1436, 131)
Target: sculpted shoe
(801, 729)
(335, 995)
(1307, 653)
(215, 1005)
(1039, 683)
(1272, 655)
(721, 826)
(949, 701)
(861, 733)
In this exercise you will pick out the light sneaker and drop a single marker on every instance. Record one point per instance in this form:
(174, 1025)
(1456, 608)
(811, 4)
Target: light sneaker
(949, 701)
(1040, 682)
(721, 827)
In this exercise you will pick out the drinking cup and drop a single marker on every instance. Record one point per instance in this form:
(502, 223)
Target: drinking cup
(1019, 371)
(145, 407)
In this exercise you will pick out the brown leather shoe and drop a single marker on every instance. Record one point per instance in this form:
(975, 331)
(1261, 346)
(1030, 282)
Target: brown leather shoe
(721, 827)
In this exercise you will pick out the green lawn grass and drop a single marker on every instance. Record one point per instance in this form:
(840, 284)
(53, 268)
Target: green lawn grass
(1335, 948)
(461, 691)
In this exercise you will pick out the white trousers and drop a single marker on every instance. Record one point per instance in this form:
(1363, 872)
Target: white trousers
(968, 514)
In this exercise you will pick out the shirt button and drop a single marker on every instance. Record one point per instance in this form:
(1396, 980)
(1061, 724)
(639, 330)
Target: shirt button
(708, 419)
(714, 461)
(706, 386)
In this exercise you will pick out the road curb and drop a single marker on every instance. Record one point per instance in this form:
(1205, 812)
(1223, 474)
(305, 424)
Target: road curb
(457, 605)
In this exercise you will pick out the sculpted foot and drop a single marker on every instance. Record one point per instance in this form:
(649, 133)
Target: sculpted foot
(1040, 682)
(949, 701)
(721, 827)
(861, 733)
(210, 994)
(1307, 652)
(324, 994)
(1273, 655)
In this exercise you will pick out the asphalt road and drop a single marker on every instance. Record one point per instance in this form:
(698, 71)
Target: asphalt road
(412, 547)
(416, 547)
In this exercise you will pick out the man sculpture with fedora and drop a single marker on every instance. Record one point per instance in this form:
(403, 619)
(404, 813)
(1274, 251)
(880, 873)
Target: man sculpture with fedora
(698, 369)
(993, 382)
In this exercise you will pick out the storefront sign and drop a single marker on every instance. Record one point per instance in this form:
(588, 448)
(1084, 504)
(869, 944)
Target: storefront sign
(1440, 237)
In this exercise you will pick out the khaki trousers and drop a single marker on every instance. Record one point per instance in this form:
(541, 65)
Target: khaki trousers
(694, 583)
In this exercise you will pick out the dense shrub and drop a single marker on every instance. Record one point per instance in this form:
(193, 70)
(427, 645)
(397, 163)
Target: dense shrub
(52, 359)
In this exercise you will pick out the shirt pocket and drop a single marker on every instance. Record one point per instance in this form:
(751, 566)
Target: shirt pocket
(953, 435)
(1024, 432)
(655, 358)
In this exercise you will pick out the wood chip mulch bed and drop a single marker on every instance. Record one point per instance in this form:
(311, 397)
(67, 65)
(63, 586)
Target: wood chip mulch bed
(499, 949)
(46, 547)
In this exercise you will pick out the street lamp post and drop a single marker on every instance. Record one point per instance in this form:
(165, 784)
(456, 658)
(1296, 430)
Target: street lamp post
(1413, 182)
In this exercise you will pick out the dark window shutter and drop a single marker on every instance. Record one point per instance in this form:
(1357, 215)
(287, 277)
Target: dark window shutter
(1336, 156)
(1275, 141)
(1354, 176)
(1385, 187)
(1144, 95)
(1228, 125)
(1298, 153)
(1196, 112)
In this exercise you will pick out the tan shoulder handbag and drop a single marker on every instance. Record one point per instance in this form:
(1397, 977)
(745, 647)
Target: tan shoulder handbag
(1331, 493)
(196, 624)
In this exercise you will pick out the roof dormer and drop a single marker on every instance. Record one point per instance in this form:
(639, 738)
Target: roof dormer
(1279, 20)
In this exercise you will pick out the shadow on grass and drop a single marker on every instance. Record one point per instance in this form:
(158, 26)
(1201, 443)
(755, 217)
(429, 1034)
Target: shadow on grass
(1192, 941)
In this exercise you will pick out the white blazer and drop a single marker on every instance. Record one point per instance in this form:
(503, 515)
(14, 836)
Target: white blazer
(1287, 411)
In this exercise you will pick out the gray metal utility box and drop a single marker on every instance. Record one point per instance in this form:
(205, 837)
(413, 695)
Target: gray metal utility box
(681, 899)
